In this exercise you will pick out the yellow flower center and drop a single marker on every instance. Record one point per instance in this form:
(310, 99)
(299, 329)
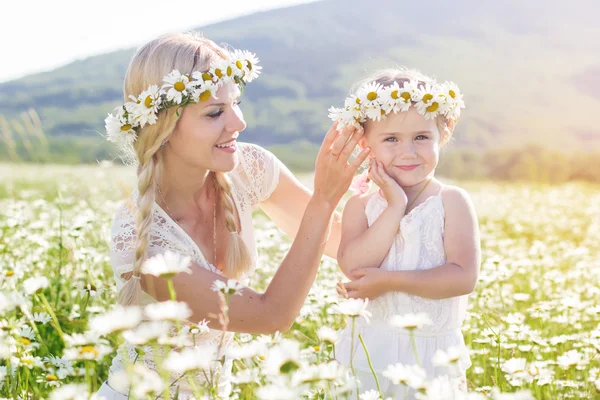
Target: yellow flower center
(27, 361)
(427, 97)
(239, 64)
(88, 349)
(229, 71)
(405, 96)
(316, 348)
(219, 72)
(23, 340)
(205, 95)
(179, 86)
(357, 100)
(207, 76)
(371, 96)
(50, 378)
(148, 102)
(382, 111)
(452, 94)
(395, 95)
(433, 107)
(249, 64)
(9, 273)
(125, 127)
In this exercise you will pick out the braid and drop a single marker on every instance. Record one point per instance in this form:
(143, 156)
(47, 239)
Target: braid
(237, 260)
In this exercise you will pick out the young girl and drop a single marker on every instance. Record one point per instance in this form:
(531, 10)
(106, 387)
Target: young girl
(412, 246)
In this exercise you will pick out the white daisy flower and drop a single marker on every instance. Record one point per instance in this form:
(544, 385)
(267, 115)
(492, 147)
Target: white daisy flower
(167, 265)
(400, 374)
(204, 91)
(515, 367)
(374, 112)
(116, 320)
(9, 301)
(245, 376)
(283, 358)
(278, 391)
(354, 308)
(168, 311)
(370, 94)
(94, 352)
(327, 334)
(187, 360)
(249, 63)
(148, 105)
(396, 99)
(231, 287)
(42, 318)
(147, 332)
(454, 98)
(370, 395)
(142, 381)
(222, 71)
(449, 357)
(177, 85)
(428, 103)
(118, 128)
(410, 321)
(569, 359)
(34, 284)
(249, 350)
(71, 391)
(201, 328)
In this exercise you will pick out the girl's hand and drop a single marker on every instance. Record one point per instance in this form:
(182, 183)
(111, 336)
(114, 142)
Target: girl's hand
(393, 193)
(368, 283)
(333, 173)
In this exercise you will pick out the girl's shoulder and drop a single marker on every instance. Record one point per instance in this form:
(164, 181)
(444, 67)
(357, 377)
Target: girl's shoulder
(456, 200)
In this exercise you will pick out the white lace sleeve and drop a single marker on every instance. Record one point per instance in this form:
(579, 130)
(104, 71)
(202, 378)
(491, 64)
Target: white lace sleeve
(261, 168)
(123, 240)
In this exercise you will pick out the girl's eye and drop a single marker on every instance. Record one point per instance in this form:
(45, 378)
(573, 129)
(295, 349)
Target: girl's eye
(391, 139)
(215, 115)
(422, 137)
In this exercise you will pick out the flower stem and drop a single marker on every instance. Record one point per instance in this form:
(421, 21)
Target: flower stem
(51, 312)
(352, 356)
(370, 364)
(413, 344)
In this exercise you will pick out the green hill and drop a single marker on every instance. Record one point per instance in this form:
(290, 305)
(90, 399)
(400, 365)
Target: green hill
(530, 71)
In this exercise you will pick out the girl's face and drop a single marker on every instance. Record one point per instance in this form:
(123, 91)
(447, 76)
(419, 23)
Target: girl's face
(406, 143)
(205, 134)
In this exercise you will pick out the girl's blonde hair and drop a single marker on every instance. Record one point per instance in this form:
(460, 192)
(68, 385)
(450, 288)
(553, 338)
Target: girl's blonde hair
(185, 52)
(388, 76)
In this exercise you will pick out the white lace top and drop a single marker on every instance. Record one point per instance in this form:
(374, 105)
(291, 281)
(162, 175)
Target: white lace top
(254, 179)
(418, 245)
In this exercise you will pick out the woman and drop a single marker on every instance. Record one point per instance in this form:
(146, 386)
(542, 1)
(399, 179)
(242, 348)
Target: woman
(197, 187)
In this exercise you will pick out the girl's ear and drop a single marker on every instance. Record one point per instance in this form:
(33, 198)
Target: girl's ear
(362, 143)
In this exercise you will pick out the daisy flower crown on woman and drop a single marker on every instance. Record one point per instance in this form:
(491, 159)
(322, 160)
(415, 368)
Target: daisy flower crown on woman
(375, 101)
(178, 90)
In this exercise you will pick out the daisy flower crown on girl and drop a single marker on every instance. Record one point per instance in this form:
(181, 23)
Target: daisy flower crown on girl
(375, 101)
(178, 90)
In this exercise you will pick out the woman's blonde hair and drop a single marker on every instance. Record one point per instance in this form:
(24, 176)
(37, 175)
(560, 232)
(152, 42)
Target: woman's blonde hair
(185, 52)
(388, 76)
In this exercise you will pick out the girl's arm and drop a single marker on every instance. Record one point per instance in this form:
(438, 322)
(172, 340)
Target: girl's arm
(456, 277)
(287, 205)
(364, 246)
(361, 245)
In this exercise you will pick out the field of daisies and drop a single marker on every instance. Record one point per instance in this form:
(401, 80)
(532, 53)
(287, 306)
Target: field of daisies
(533, 326)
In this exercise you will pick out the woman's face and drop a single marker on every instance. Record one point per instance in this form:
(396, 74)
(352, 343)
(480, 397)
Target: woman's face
(205, 134)
(406, 143)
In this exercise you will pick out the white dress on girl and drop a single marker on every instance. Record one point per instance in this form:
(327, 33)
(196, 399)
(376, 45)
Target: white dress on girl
(253, 180)
(418, 245)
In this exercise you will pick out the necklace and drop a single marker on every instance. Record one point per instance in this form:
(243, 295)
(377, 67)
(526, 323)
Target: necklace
(214, 219)
(418, 194)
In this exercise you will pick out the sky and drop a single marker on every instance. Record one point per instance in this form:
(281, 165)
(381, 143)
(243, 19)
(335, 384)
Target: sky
(40, 35)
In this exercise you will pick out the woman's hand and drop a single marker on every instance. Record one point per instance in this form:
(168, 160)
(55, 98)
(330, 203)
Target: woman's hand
(393, 193)
(333, 172)
(368, 283)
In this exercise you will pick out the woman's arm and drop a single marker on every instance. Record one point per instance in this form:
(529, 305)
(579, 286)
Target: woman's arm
(276, 309)
(287, 204)
(456, 277)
